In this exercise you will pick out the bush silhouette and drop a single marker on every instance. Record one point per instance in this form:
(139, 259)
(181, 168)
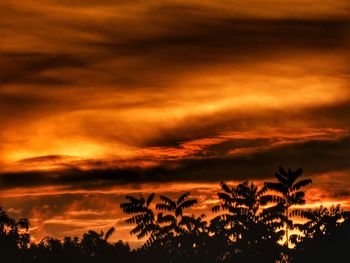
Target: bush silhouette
(249, 224)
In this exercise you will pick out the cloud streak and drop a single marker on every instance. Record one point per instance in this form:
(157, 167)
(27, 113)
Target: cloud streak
(97, 99)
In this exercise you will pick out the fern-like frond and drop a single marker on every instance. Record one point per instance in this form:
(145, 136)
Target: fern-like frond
(182, 198)
(225, 187)
(165, 207)
(150, 199)
(184, 205)
(300, 184)
(168, 201)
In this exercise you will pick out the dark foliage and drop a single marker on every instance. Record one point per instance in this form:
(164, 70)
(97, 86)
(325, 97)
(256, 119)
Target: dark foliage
(250, 224)
(327, 236)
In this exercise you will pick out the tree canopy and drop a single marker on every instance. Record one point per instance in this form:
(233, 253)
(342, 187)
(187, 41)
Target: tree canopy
(249, 223)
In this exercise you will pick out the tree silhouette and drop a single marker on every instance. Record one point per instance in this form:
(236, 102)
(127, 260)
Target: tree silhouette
(248, 229)
(71, 247)
(14, 235)
(177, 222)
(321, 222)
(182, 236)
(141, 215)
(326, 236)
(286, 192)
(94, 243)
(245, 222)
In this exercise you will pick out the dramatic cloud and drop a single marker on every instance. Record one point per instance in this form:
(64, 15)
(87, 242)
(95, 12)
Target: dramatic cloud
(102, 98)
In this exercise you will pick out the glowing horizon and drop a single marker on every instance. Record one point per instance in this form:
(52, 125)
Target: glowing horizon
(98, 100)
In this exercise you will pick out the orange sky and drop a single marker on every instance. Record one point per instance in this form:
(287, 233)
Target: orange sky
(98, 99)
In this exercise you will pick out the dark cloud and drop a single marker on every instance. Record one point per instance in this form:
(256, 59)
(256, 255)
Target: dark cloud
(111, 79)
(151, 51)
(335, 116)
(26, 103)
(199, 41)
(166, 38)
(318, 156)
(257, 36)
(313, 156)
(26, 68)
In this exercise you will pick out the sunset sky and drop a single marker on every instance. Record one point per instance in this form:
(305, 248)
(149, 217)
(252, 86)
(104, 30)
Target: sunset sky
(103, 98)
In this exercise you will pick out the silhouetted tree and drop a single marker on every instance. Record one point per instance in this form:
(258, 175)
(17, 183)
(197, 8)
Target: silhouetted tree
(287, 193)
(177, 222)
(321, 221)
(143, 216)
(71, 247)
(14, 236)
(251, 229)
(183, 236)
(95, 244)
(326, 236)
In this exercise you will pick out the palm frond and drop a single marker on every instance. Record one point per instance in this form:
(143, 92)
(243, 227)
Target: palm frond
(109, 233)
(281, 178)
(184, 205)
(300, 184)
(277, 187)
(166, 218)
(165, 207)
(182, 198)
(150, 199)
(168, 201)
(297, 198)
(132, 199)
(272, 199)
(225, 197)
(283, 172)
(225, 187)
(216, 208)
